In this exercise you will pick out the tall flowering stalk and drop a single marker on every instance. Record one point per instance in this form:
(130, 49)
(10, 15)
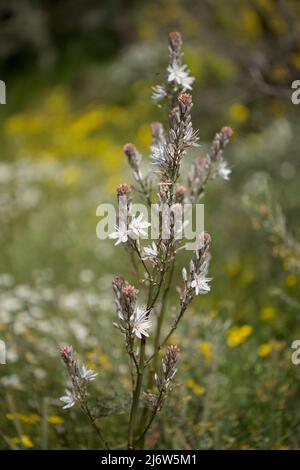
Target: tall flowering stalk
(141, 308)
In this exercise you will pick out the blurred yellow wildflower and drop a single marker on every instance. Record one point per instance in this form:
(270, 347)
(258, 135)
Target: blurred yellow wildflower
(266, 349)
(247, 277)
(238, 334)
(25, 440)
(239, 113)
(55, 420)
(233, 268)
(214, 313)
(291, 280)
(268, 313)
(250, 22)
(207, 350)
(296, 61)
(26, 419)
(197, 389)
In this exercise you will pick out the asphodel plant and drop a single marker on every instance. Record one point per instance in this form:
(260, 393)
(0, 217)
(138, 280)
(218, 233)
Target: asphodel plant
(142, 310)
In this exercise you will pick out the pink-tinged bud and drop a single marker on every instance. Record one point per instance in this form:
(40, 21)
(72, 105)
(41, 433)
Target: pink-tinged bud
(123, 189)
(66, 352)
(134, 157)
(180, 194)
(227, 131)
(175, 39)
(129, 149)
(129, 291)
(173, 349)
(118, 282)
(185, 98)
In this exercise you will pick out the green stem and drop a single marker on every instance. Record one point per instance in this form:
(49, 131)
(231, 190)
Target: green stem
(136, 395)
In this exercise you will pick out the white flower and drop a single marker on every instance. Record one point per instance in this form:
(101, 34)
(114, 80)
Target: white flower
(180, 75)
(140, 322)
(159, 93)
(137, 226)
(69, 400)
(87, 374)
(121, 235)
(224, 170)
(158, 154)
(200, 284)
(151, 251)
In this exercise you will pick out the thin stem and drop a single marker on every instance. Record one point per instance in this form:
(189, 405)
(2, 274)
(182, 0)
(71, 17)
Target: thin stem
(86, 410)
(146, 429)
(136, 395)
(141, 259)
(175, 324)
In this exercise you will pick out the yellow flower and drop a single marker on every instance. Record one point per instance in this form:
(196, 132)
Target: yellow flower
(233, 268)
(197, 389)
(239, 113)
(291, 280)
(238, 335)
(264, 349)
(250, 22)
(247, 277)
(296, 61)
(104, 361)
(214, 312)
(55, 419)
(268, 313)
(207, 350)
(27, 419)
(25, 440)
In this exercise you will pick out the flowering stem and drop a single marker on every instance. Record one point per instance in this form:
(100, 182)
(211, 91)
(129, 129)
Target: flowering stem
(136, 395)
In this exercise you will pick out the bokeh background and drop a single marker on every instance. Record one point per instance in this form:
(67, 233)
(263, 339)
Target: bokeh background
(79, 77)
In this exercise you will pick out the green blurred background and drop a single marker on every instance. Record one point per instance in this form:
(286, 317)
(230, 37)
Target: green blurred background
(78, 77)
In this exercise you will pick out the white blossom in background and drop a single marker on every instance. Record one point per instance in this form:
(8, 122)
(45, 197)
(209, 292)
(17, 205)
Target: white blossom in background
(69, 399)
(158, 93)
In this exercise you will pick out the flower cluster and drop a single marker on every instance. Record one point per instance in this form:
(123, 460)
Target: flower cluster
(196, 280)
(211, 166)
(168, 155)
(164, 378)
(133, 231)
(80, 375)
(133, 319)
(178, 78)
